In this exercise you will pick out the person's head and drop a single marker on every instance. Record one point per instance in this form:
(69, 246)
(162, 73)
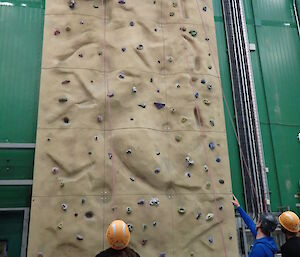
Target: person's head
(118, 235)
(267, 223)
(290, 223)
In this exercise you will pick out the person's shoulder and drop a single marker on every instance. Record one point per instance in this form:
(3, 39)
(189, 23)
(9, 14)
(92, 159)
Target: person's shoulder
(133, 251)
(105, 253)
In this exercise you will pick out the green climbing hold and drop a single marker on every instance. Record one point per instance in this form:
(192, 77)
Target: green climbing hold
(178, 138)
(193, 33)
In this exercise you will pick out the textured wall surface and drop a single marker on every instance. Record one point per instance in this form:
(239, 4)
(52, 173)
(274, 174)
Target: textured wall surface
(131, 126)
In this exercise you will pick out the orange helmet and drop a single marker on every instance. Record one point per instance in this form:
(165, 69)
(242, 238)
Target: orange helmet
(290, 221)
(118, 235)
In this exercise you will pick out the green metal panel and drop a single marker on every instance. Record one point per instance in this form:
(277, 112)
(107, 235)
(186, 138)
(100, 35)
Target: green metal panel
(20, 51)
(15, 196)
(11, 224)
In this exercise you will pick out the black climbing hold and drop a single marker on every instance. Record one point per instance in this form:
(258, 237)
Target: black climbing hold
(133, 90)
(203, 81)
(66, 120)
(159, 105)
(79, 237)
(110, 156)
(92, 81)
(121, 75)
(81, 22)
(110, 94)
(204, 8)
(188, 174)
(221, 181)
(72, 4)
(154, 223)
(158, 61)
(65, 82)
(48, 139)
(142, 105)
(157, 153)
(212, 146)
(157, 170)
(230, 237)
(197, 95)
(157, 90)
(89, 214)
(198, 216)
(75, 214)
(209, 67)
(95, 6)
(141, 202)
(172, 14)
(155, 29)
(211, 240)
(62, 100)
(128, 151)
(130, 227)
(209, 86)
(131, 23)
(96, 138)
(132, 179)
(181, 210)
(80, 55)
(122, 2)
(162, 255)
(221, 207)
(131, 118)
(206, 39)
(212, 122)
(151, 80)
(218, 159)
(183, 29)
(123, 49)
(83, 200)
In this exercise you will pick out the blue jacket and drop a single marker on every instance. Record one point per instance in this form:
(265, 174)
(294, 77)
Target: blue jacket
(263, 247)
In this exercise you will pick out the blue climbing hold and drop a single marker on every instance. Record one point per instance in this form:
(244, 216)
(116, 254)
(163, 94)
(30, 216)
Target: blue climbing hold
(197, 95)
(212, 146)
(122, 2)
(159, 105)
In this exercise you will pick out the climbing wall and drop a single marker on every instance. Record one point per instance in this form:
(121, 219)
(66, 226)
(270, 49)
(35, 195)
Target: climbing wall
(131, 126)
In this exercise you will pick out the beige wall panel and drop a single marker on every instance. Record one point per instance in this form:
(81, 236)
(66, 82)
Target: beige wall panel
(102, 139)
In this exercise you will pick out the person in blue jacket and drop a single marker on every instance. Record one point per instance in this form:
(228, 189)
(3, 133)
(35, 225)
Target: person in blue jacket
(264, 245)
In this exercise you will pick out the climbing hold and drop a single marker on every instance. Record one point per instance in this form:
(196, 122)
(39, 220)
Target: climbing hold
(157, 153)
(121, 75)
(83, 200)
(151, 80)
(173, 110)
(206, 101)
(99, 118)
(55, 170)
(218, 159)
(211, 145)
(209, 67)
(142, 105)
(206, 39)
(140, 47)
(154, 202)
(95, 6)
(123, 49)
(133, 90)
(184, 120)
(177, 85)
(122, 2)
(141, 201)
(159, 105)
(154, 223)
(89, 214)
(89, 153)
(72, 4)
(208, 185)
(128, 151)
(162, 255)
(132, 179)
(198, 216)
(110, 94)
(209, 86)
(144, 227)
(56, 32)
(63, 99)
(204, 8)
(128, 210)
(183, 29)
(66, 120)
(192, 254)
(60, 226)
(75, 214)
(131, 23)
(172, 14)
(209, 216)
(157, 170)
(197, 95)
(170, 59)
(79, 237)
(298, 136)
(212, 122)
(205, 167)
(221, 181)
(230, 237)
(181, 210)
(188, 174)
(189, 161)
(68, 28)
(61, 183)
(96, 138)
(144, 242)
(178, 138)
(65, 82)
(130, 227)
(64, 206)
(40, 254)
(221, 207)
(175, 4)
(100, 53)
(80, 55)
(110, 156)
(194, 79)
(211, 240)
(193, 33)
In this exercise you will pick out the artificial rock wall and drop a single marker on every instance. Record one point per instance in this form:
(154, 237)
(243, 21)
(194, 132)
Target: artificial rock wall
(131, 126)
